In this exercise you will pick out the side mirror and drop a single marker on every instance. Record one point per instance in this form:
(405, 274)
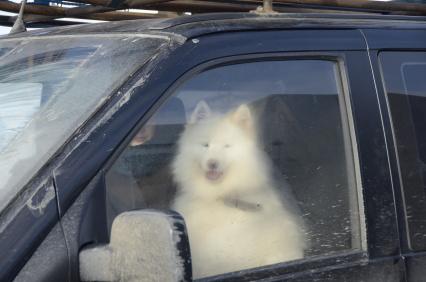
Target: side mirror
(145, 245)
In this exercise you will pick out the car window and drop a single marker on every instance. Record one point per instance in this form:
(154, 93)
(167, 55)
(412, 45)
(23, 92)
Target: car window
(404, 76)
(49, 86)
(20, 101)
(3, 51)
(257, 158)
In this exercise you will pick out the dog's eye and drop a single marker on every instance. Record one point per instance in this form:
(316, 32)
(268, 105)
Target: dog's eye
(206, 145)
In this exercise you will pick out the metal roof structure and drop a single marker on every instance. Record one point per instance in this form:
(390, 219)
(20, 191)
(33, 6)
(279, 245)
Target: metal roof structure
(46, 12)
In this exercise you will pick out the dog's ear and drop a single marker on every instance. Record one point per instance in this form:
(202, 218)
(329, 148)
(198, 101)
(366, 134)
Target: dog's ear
(243, 117)
(201, 112)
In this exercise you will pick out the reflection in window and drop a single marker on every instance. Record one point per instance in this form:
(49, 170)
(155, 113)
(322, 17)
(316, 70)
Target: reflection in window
(20, 101)
(27, 84)
(257, 158)
(49, 87)
(404, 74)
(4, 51)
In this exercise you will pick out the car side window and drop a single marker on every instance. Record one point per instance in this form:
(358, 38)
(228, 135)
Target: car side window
(404, 76)
(258, 158)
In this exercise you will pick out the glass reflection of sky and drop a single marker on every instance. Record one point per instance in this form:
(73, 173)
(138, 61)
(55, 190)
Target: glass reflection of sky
(404, 72)
(225, 87)
(290, 77)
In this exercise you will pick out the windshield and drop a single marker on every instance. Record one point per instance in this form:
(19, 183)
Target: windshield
(49, 86)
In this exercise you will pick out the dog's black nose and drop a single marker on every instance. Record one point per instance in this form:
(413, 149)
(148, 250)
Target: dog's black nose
(212, 164)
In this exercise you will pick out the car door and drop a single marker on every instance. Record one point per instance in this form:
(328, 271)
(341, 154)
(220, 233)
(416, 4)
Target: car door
(320, 121)
(399, 57)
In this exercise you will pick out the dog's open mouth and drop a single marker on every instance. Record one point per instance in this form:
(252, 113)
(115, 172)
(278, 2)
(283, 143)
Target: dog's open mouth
(213, 175)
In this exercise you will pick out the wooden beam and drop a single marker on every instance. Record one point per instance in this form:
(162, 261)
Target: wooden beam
(362, 4)
(102, 10)
(121, 3)
(279, 5)
(178, 6)
(203, 6)
(90, 12)
(9, 20)
(107, 16)
(161, 5)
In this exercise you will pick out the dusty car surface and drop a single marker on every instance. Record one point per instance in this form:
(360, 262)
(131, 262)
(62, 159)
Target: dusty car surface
(90, 122)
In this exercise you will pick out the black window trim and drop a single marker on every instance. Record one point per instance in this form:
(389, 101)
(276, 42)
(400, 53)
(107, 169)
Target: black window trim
(399, 190)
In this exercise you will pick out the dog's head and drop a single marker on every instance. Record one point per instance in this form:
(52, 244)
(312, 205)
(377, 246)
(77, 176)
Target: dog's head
(217, 144)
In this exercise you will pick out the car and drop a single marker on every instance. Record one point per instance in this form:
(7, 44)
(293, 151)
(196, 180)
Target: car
(90, 117)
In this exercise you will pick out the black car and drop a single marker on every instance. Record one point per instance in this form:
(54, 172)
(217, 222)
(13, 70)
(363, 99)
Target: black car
(90, 116)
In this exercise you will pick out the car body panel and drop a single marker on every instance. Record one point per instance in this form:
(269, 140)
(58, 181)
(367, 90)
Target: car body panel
(406, 41)
(198, 42)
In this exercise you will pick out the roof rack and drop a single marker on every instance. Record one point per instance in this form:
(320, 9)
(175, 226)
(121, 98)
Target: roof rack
(45, 12)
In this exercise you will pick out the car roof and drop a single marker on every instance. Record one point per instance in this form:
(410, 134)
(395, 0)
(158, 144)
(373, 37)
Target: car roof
(196, 25)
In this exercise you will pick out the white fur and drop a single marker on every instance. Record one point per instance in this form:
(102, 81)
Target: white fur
(223, 237)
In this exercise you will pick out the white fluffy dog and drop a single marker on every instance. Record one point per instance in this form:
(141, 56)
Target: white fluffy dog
(226, 194)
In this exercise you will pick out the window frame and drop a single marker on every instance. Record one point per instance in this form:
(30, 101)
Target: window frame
(400, 40)
(348, 131)
(406, 234)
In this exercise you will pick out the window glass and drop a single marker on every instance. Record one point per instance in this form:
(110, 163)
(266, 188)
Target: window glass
(257, 158)
(405, 83)
(3, 51)
(19, 103)
(49, 86)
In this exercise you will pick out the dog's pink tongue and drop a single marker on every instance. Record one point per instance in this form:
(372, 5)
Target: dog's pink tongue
(213, 175)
